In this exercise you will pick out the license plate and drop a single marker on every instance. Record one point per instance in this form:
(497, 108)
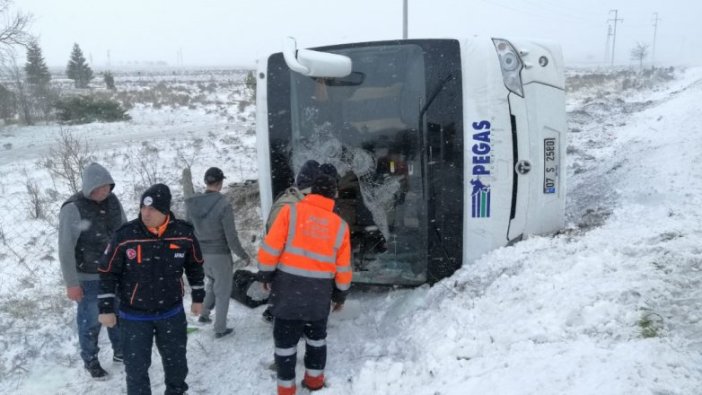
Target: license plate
(551, 156)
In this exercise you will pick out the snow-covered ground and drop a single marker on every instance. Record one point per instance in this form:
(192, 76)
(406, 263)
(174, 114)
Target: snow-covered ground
(611, 305)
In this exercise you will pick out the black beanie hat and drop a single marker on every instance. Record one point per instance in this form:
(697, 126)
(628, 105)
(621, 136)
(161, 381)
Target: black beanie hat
(307, 174)
(157, 196)
(329, 170)
(324, 185)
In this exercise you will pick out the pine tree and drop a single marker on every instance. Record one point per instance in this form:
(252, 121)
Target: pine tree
(38, 75)
(109, 80)
(78, 70)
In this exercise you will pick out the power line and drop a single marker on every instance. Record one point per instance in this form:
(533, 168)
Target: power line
(540, 14)
(614, 35)
(562, 9)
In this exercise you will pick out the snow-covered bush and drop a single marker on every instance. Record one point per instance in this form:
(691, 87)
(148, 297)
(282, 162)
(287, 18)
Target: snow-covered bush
(87, 109)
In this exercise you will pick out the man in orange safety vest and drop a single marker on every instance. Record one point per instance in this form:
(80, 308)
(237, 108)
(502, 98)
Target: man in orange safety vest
(306, 261)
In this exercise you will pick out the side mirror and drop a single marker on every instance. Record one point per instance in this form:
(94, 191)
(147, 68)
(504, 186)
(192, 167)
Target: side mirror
(314, 63)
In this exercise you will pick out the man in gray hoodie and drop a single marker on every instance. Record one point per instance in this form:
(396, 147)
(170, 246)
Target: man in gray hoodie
(213, 218)
(86, 223)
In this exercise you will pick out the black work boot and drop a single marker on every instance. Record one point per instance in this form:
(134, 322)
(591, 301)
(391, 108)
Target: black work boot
(226, 332)
(96, 371)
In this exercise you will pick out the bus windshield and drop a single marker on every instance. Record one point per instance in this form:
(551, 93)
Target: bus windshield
(368, 126)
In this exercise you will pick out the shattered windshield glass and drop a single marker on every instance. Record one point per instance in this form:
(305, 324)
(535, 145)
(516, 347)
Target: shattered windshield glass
(393, 130)
(367, 128)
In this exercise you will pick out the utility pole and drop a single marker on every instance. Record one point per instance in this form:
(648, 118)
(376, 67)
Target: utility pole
(609, 34)
(404, 19)
(655, 29)
(614, 35)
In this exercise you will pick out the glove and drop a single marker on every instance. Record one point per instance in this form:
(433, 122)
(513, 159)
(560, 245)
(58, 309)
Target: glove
(264, 277)
(338, 296)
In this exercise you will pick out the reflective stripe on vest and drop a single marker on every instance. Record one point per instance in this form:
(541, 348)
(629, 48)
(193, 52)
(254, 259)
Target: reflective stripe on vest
(269, 249)
(342, 287)
(304, 252)
(304, 273)
(292, 230)
(340, 236)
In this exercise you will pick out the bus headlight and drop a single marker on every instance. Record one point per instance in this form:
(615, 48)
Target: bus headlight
(511, 65)
(509, 62)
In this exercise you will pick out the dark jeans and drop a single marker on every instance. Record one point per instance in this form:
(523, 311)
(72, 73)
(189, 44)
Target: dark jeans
(171, 341)
(88, 325)
(286, 334)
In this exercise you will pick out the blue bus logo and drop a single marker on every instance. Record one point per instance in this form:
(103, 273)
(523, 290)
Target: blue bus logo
(480, 198)
(480, 195)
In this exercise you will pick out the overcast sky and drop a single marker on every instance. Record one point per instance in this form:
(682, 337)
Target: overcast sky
(237, 32)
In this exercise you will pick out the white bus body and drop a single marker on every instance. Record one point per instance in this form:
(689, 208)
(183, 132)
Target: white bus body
(447, 148)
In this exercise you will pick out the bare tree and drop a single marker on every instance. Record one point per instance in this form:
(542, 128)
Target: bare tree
(13, 28)
(35, 204)
(639, 52)
(21, 258)
(14, 32)
(11, 72)
(144, 163)
(186, 179)
(68, 158)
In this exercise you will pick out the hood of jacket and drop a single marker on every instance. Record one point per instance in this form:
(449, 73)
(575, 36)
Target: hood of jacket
(95, 176)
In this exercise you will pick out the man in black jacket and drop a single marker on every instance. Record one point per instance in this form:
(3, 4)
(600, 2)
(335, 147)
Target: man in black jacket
(86, 223)
(145, 263)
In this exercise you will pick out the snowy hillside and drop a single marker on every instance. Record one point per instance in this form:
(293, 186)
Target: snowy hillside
(611, 305)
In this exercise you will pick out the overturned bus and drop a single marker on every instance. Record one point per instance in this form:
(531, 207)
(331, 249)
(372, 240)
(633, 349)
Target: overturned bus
(447, 148)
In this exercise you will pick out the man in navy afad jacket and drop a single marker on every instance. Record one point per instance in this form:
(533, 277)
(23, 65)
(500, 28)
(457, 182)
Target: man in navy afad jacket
(145, 262)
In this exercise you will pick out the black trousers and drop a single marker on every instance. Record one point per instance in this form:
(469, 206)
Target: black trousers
(171, 341)
(286, 334)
